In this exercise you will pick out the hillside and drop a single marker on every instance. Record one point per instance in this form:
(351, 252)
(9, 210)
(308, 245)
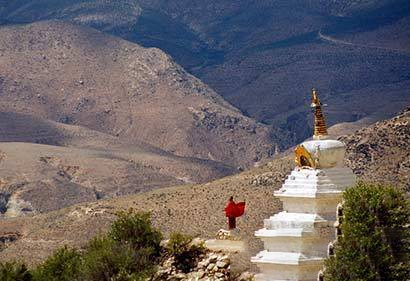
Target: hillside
(193, 209)
(196, 209)
(381, 152)
(262, 56)
(79, 76)
(86, 116)
(46, 165)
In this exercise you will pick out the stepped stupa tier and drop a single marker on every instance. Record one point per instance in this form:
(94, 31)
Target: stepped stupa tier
(296, 239)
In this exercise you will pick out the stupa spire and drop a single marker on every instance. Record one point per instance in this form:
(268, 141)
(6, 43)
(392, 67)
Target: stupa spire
(320, 130)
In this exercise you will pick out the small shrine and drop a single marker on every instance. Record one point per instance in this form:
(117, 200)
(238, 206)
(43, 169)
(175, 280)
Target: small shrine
(296, 239)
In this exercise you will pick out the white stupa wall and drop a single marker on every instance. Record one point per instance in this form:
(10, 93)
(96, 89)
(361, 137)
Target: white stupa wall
(315, 191)
(296, 239)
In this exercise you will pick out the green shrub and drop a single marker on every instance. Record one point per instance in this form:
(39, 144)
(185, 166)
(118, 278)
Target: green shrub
(14, 271)
(130, 251)
(184, 252)
(63, 265)
(135, 229)
(375, 241)
(106, 259)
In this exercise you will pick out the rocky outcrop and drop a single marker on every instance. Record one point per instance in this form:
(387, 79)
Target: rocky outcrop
(267, 179)
(276, 174)
(205, 264)
(206, 117)
(7, 238)
(4, 198)
(381, 152)
(211, 266)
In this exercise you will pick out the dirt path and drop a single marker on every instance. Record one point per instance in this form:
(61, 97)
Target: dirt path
(330, 39)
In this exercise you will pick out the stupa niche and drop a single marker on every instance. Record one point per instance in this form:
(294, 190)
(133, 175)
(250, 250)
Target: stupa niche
(296, 239)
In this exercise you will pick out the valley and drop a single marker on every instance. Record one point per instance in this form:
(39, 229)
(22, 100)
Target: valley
(171, 107)
(262, 55)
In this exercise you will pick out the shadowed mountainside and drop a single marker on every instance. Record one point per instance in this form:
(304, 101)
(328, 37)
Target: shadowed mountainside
(262, 55)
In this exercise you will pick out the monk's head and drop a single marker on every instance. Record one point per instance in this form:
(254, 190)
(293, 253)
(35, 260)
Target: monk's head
(231, 198)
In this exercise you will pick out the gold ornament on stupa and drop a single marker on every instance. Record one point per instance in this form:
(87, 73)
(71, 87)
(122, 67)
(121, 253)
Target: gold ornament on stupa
(303, 157)
(319, 124)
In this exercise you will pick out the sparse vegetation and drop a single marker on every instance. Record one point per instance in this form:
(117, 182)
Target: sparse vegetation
(135, 230)
(379, 153)
(184, 251)
(375, 241)
(14, 271)
(106, 259)
(63, 265)
(130, 251)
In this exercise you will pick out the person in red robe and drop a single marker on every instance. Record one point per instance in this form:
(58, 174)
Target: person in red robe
(232, 211)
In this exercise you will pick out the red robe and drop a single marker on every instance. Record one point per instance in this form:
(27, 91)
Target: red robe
(232, 211)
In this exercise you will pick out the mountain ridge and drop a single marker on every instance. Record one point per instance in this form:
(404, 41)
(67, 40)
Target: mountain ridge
(261, 55)
(76, 75)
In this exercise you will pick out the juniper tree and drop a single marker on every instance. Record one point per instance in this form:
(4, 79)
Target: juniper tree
(375, 240)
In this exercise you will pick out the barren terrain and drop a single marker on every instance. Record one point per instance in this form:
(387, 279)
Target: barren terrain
(80, 76)
(264, 56)
(381, 152)
(86, 116)
(198, 209)
(91, 124)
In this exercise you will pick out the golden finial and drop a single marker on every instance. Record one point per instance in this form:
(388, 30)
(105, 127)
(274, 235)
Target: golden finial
(319, 125)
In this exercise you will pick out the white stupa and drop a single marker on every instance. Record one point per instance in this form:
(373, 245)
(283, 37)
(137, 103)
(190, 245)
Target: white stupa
(296, 239)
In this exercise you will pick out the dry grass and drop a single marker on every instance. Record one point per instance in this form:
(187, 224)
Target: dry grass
(191, 209)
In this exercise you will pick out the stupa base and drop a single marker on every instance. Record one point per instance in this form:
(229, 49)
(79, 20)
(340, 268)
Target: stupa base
(282, 266)
(263, 277)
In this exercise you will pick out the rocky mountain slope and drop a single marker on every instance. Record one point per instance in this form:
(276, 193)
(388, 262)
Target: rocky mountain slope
(80, 76)
(263, 55)
(86, 116)
(198, 209)
(46, 165)
(381, 152)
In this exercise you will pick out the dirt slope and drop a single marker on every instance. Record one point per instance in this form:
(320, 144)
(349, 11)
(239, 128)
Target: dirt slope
(82, 165)
(381, 152)
(80, 76)
(193, 209)
(198, 209)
